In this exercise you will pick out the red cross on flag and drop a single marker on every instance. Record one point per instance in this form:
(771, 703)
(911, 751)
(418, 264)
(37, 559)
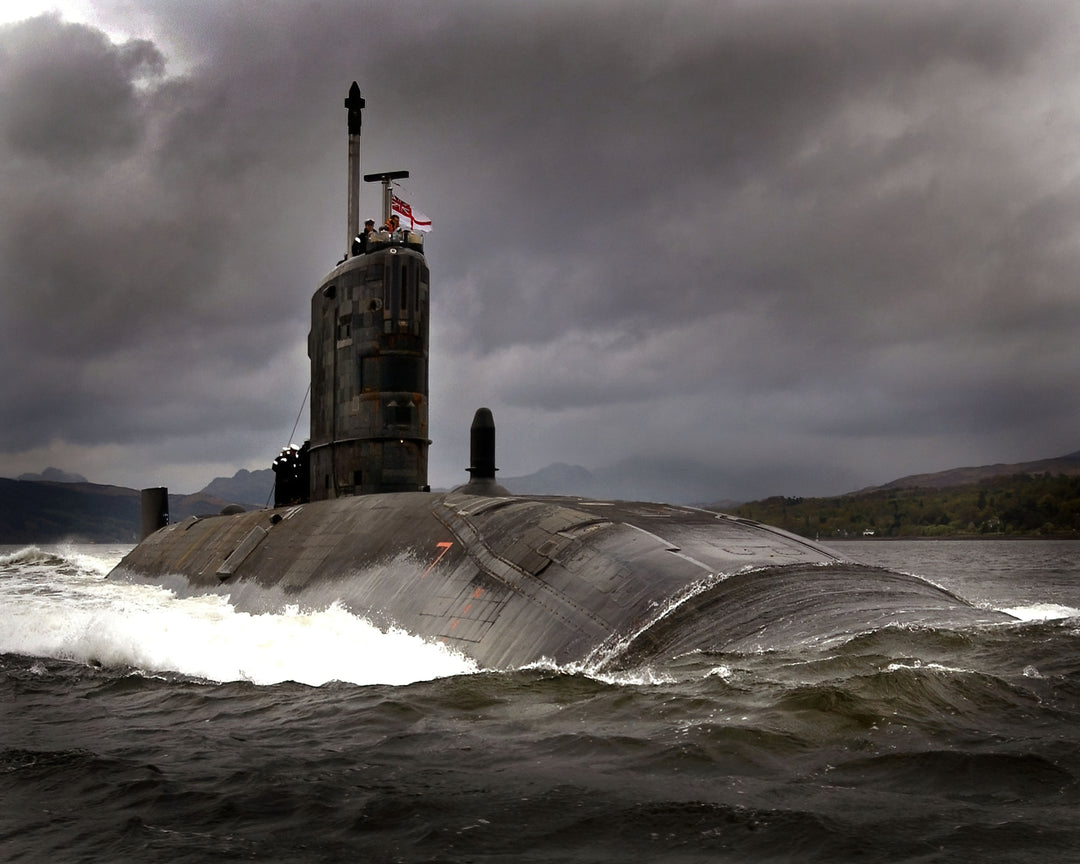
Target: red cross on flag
(411, 218)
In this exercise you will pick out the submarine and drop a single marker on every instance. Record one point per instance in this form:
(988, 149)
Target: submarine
(504, 579)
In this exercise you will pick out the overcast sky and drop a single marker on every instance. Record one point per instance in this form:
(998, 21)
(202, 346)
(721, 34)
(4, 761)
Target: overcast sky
(812, 246)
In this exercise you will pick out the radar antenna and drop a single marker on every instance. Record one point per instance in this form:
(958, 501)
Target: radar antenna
(387, 180)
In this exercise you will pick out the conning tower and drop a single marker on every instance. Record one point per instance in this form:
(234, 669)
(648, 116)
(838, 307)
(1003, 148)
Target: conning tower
(368, 347)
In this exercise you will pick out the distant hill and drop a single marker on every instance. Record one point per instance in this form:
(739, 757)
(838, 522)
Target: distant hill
(556, 479)
(677, 481)
(1068, 465)
(682, 481)
(54, 475)
(250, 489)
(48, 512)
(51, 512)
(1027, 499)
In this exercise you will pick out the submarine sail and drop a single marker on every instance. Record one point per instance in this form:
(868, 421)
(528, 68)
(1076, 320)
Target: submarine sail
(507, 580)
(368, 347)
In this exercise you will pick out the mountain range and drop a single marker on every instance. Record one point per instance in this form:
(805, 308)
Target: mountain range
(56, 505)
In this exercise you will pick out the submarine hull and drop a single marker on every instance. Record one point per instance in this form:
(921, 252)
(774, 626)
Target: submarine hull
(509, 581)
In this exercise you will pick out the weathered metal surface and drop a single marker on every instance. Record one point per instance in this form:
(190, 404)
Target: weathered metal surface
(368, 346)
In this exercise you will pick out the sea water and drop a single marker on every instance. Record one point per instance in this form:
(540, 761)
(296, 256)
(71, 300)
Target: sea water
(136, 726)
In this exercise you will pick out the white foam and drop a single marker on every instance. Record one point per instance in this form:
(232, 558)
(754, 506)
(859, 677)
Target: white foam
(911, 665)
(72, 612)
(1042, 612)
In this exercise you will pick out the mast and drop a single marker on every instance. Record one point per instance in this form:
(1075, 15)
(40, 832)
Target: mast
(355, 103)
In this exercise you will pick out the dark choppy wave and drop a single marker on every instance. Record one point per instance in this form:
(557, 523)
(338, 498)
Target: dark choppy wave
(899, 743)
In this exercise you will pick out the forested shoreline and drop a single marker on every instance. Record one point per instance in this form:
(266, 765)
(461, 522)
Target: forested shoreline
(1019, 505)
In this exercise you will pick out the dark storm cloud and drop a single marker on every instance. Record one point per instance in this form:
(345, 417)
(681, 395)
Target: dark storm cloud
(637, 148)
(76, 104)
(779, 234)
(136, 300)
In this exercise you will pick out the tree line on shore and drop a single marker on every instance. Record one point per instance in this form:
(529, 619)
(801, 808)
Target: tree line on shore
(1032, 505)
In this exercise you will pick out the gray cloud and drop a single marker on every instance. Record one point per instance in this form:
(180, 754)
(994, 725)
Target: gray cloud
(813, 246)
(81, 103)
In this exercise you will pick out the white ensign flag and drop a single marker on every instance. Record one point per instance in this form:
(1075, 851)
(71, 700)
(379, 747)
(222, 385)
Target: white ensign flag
(411, 218)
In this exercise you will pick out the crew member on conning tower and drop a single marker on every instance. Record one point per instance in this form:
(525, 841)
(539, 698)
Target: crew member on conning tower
(360, 242)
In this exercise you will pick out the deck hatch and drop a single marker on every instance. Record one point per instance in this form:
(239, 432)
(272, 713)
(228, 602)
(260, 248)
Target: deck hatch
(255, 536)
